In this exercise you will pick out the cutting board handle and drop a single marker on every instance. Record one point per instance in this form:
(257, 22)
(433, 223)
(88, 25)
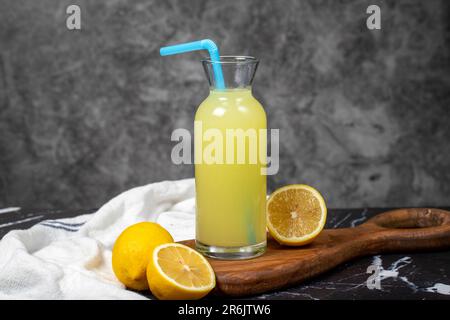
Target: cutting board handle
(409, 229)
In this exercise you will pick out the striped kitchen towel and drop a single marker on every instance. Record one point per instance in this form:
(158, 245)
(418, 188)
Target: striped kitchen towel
(71, 258)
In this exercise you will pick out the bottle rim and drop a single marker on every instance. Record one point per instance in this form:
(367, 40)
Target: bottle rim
(238, 60)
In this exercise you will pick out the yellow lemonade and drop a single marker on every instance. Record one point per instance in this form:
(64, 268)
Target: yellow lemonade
(231, 188)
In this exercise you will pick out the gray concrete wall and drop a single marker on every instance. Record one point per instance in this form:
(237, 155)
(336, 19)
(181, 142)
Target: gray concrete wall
(364, 115)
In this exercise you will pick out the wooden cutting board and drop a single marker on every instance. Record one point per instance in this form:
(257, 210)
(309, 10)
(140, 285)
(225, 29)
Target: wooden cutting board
(400, 230)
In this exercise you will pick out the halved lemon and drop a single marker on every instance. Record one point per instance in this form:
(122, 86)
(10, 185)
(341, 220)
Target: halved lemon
(296, 214)
(177, 272)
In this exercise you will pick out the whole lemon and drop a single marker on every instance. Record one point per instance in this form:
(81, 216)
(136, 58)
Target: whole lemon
(133, 250)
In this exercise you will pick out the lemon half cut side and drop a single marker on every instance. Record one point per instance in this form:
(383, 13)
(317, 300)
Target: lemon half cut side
(296, 214)
(178, 272)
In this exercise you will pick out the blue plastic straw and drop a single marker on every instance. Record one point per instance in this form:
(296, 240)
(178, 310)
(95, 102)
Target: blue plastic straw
(200, 45)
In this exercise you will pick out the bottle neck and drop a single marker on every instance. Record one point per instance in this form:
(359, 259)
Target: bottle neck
(236, 71)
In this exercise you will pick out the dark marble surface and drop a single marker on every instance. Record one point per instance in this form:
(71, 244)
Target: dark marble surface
(417, 273)
(87, 114)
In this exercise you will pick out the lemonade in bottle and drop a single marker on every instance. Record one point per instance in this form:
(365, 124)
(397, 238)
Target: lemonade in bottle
(230, 159)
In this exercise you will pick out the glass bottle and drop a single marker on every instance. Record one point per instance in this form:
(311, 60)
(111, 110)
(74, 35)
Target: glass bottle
(230, 159)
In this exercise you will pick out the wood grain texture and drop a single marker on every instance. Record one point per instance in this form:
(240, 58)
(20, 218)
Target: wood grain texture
(402, 230)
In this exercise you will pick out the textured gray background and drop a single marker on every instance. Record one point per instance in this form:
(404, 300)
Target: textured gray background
(364, 115)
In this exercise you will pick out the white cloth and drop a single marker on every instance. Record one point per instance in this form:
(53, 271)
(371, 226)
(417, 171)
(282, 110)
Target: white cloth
(71, 258)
